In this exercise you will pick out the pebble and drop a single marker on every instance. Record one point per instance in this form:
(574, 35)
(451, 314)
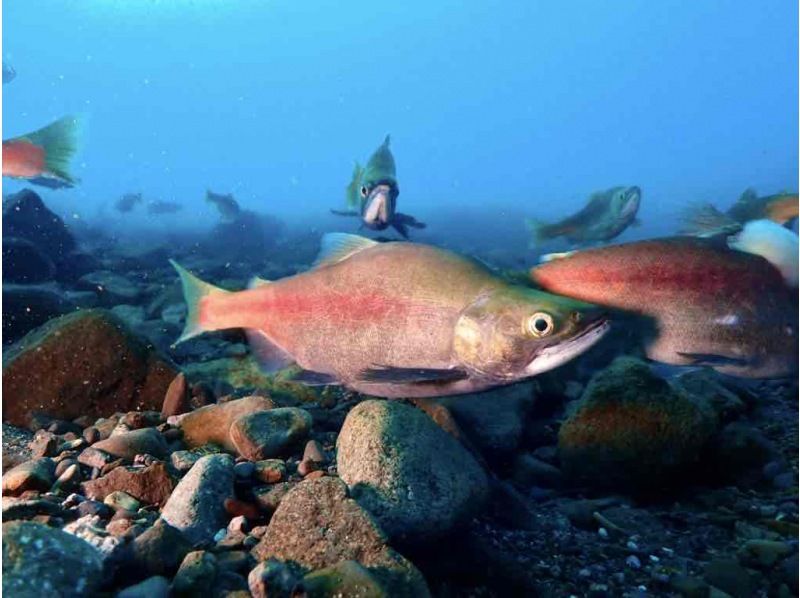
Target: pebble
(36, 474)
(244, 470)
(152, 587)
(196, 574)
(121, 500)
(93, 457)
(313, 452)
(235, 507)
(127, 445)
(633, 562)
(270, 471)
(69, 479)
(176, 399)
(63, 465)
(95, 507)
(268, 434)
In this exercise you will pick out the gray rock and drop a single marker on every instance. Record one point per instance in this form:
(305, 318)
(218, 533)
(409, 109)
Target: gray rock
(415, 479)
(152, 587)
(196, 506)
(267, 434)
(494, 419)
(25, 263)
(196, 574)
(110, 288)
(42, 561)
(159, 550)
(26, 306)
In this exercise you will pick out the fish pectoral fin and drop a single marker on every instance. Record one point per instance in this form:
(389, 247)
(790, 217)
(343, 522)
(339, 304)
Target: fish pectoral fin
(636, 222)
(386, 374)
(337, 247)
(344, 212)
(409, 220)
(270, 357)
(311, 378)
(401, 228)
(712, 359)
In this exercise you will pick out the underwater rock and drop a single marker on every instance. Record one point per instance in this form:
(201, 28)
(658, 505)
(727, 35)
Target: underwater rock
(493, 419)
(707, 386)
(36, 474)
(631, 430)
(416, 479)
(26, 216)
(212, 423)
(151, 485)
(152, 587)
(132, 315)
(24, 263)
(738, 452)
(85, 363)
(41, 561)
(266, 434)
(25, 307)
(347, 578)
(176, 400)
(159, 550)
(250, 234)
(273, 578)
(110, 288)
(196, 574)
(126, 445)
(196, 506)
(318, 525)
(74, 265)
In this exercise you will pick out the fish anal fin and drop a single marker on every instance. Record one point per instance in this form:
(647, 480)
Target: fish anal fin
(388, 375)
(270, 357)
(337, 247)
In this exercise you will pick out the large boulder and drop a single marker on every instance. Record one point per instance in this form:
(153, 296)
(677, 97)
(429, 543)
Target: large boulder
(83, 364)
(26, 216)
(317, 525)
(41, 561)
(24, 263)
(416, 479)
(27, 306)
(631, 430)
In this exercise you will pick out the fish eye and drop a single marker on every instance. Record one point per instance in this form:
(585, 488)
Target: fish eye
(363, 191)
(540, 324)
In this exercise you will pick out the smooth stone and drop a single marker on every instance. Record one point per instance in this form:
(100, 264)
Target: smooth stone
(268, 434)
(36, 474)
(196, 506)
(211, 424)
(145, 441)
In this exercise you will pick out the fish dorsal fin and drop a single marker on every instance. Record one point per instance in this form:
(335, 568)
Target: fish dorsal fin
(748, 195)
(257, 282)
(387, 140)
(337, 247)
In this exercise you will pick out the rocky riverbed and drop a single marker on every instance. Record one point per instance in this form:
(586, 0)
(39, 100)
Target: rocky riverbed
(133, 468)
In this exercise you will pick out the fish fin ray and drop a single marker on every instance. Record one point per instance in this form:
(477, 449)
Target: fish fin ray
(705, 220)
(388, 374)
(311, 378)
(713, 359)
(747, 196)
(409, 220)
(194, 290)
(344, 212)
(59, 140)
(270, 357)
(337, 247)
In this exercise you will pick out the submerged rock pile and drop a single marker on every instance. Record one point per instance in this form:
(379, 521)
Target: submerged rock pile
(135, 469)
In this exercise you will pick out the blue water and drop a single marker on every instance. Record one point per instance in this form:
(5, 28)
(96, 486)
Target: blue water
(497, 110)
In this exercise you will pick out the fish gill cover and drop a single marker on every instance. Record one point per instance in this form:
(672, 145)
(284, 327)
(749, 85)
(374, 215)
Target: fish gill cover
(518, 279)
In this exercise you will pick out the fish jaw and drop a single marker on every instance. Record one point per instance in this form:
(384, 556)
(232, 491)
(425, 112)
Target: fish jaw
(632, 199)
(558, 354)
(377, 211)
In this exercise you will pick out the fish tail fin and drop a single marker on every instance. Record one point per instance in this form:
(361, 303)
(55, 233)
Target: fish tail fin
(59, 140)
(703, 220)
(539, 231)
(194, 291)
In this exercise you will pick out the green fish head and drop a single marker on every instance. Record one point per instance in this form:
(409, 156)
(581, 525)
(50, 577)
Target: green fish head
(515, 332)
(625, 202)
(380, 170)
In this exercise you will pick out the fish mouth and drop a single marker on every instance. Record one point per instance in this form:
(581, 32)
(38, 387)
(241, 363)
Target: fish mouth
(376, 211)
(560, 353)
(633, 197)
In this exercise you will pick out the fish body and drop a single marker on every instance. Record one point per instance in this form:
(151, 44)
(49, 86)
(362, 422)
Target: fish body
(604, 217)
(374, 189)
(226, 204)
(706, 220)
(163, 207)
(398, 320)
(9, 74)
(43, 155)
(127, 202)
(707, 304)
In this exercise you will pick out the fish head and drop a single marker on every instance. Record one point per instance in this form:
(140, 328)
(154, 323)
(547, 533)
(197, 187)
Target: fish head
(625, 202)
(513, 333)
(378, 204)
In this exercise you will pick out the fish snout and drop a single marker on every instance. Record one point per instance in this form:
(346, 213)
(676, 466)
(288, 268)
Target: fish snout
(377, 207)
(633, 196)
